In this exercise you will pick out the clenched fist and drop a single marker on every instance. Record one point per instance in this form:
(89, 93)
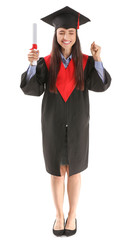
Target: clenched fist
(95, 50)
(33, 55)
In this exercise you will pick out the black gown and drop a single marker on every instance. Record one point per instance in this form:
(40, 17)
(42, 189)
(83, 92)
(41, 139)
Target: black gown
(65, 125)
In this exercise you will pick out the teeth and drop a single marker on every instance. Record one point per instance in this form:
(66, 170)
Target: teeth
(66, 41)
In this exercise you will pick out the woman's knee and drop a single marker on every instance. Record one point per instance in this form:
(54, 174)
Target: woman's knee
(63, 170)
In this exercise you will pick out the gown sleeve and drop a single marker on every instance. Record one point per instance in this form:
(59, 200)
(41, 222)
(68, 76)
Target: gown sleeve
(93, 81)
(35, 86)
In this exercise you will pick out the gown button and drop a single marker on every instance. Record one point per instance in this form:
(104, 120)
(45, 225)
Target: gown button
(66, 125)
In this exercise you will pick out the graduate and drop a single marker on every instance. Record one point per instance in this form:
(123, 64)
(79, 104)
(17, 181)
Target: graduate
(64, 77)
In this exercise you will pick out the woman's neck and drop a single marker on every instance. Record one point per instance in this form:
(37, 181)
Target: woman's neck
(66, 53)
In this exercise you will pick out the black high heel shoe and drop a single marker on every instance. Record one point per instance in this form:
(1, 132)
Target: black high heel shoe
(58, 232)
(69, 232)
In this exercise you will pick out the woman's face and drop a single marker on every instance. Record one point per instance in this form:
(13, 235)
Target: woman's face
(66, 37)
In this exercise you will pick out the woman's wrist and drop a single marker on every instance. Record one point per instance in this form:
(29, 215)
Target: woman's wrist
(98, 59)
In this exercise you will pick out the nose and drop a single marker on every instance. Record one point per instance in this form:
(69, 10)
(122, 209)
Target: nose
(65, 36)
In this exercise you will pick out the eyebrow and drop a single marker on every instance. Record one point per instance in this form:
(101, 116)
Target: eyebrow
(69, 31)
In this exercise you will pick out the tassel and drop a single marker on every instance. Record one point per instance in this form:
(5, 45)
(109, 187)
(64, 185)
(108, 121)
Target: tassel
(78, 21)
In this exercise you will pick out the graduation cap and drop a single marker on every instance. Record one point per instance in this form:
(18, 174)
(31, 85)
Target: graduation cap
(65, 18)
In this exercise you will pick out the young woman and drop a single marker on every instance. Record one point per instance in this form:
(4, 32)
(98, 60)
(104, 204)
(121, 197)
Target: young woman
(65, 76)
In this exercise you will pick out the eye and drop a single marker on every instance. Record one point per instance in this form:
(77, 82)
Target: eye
(71, 33)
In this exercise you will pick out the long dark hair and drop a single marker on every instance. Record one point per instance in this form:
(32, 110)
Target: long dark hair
(55, 63)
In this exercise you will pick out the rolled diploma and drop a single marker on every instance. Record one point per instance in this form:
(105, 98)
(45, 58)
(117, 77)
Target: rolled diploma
(34, 46)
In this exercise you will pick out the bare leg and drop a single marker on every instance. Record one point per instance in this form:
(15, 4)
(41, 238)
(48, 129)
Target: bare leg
(58, 189)
(73, 190)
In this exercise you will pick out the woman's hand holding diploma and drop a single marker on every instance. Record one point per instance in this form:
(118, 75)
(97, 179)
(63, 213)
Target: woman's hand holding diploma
(33, 55)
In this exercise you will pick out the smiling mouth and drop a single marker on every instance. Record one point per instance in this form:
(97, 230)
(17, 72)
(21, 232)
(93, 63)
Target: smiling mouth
(66, 42)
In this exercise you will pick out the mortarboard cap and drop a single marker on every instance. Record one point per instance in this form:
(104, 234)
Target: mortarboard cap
(66, 18)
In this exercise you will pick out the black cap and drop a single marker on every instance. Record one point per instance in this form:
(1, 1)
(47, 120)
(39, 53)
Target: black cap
(66, 18)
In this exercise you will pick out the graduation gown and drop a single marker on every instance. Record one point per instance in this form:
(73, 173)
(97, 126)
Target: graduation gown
(68, 109)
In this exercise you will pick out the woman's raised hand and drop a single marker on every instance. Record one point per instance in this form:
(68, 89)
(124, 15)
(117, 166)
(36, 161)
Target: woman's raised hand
(95, 50)
(33, 55)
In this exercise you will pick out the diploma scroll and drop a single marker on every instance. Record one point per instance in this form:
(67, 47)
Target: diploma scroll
(34, 45)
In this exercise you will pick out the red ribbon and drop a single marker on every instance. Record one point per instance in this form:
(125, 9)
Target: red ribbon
(34, 46)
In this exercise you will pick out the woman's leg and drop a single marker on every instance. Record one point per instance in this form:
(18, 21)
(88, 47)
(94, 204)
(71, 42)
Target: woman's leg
(58, 188)
(73, 190)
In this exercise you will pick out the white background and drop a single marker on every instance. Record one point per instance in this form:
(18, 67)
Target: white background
(26, 205)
